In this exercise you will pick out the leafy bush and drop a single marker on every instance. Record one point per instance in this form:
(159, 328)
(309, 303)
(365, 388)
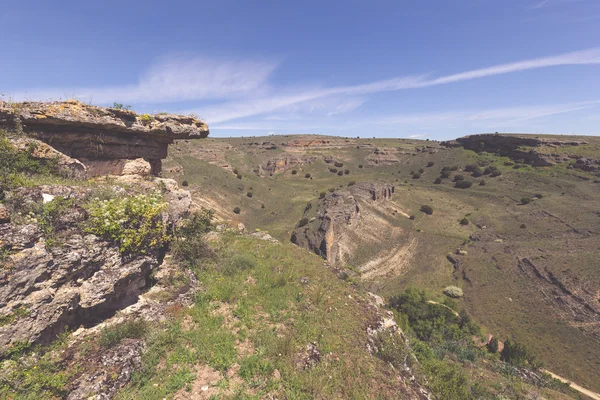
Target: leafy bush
(294, 172)
(426, 209)
(445, 174)
(482, 182)
(492, 346)
(113, 335)
(351, 183)
(347, 171)
(235, 171)
(464, 221)
(523, 226)
(495, 173)
(239, 176)
(421, 170)
(525, 200)
(133, 222)
(438, 180)
(236, 210)
(15, 165)
(338, 164)
(477, 172)
(463, 184)
(430, 164)
(333, 170)
(360, 166)
(453, 291)
(249, 194)
(322, 195)
(517, 354)
(307, 176)
(416, 175)
(188, 245)
(49, 215)
(120, 106)
(331, 190)
(458, 178)
(303, 222)
(184, 183)
(340, 173)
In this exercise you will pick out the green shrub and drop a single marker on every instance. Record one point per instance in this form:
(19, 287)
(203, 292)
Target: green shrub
(188, 245)
(464, 221)
(347, 171)
(133, 222)
(482, 182)
(113, 335)
(49, 217)
(239, 176)
(184, 183)
(322, 195)
(477, 172)
(470, 168)
(426, 209)
(454, 168)
(453, 291)
(492, 346)
(351, 183)
(430, 164)
(338, 164)
(463, 184)
(416, 176)
(458, 178)
(303, 222)
(15, 165)
(146, 118)
(333, 170)
(360, 166)
(331, 190)
(340, 173)
(120, 106)
(294, 172)
(516, 353)
(438, 180)
(445, 174)
(525, 200)
(421, 170)
(236, 210)
(523, 226)
(307, 176)
(249, 194)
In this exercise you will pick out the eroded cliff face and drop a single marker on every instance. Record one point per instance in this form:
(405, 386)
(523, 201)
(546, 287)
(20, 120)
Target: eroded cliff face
(337, 213)
(101, 138)
(518, 148)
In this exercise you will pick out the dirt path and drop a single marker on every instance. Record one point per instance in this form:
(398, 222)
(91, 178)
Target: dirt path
(574, 386)
(394, 262)
(443, 305)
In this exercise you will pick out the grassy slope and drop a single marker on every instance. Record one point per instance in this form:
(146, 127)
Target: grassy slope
(528, 317)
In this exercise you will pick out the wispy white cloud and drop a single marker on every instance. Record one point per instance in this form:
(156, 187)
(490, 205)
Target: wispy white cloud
(236, 109)
(552, 3)
(175, 79)
(244, 88)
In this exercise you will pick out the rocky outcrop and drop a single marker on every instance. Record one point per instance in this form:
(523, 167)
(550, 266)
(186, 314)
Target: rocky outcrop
(382, 157)
(97, 135)
(337, 211)
(79, 282)
(283, 162)
(518, 148)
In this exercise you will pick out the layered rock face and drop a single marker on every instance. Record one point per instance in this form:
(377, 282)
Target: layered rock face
(284, 161)
(82, 281)
(516, 147)
(337, 212)
(101, 138)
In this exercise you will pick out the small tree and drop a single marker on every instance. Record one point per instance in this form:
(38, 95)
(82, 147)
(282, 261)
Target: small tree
(464, 221)
(236, 210)
(427, 209)
(492, 346)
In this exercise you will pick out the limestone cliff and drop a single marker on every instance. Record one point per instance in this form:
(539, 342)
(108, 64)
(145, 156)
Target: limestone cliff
(338, 212)
(101, 138)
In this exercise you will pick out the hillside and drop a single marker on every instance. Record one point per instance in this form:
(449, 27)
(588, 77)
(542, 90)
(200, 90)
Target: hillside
(289, 267)
(528, 271)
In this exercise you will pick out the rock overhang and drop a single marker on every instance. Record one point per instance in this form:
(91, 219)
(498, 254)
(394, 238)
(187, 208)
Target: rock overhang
(92, 133)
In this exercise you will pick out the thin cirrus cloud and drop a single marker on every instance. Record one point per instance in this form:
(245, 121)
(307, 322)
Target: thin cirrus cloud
(234, 110)
(475, 118)
(243, 88)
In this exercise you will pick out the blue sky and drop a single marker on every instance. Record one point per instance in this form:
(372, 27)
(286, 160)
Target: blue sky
(434, 69)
